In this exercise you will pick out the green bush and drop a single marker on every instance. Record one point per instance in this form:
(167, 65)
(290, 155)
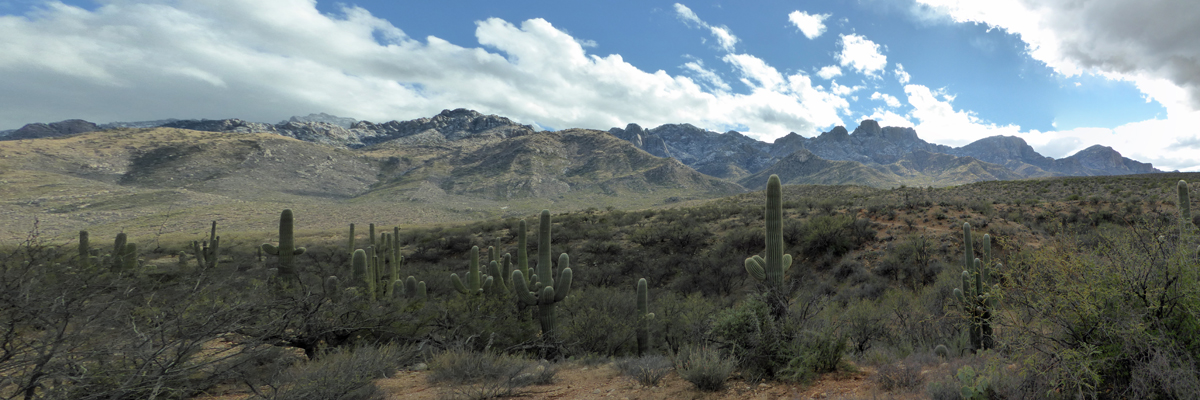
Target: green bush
(599, 321)
(770, 349)
(342, 375)
(647, 370)
(704, 367)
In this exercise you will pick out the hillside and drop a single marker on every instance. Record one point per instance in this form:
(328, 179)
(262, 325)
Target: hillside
(137, 180)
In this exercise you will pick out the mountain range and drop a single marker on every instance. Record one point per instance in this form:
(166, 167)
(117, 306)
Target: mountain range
(871, 155)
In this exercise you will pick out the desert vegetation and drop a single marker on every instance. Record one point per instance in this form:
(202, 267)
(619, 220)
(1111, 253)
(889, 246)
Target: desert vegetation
(1055, 288)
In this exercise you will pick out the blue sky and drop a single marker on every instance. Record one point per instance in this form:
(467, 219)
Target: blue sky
(1061, 74)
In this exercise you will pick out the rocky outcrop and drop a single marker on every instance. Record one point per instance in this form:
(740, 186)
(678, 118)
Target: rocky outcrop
(53, 129)
(1102, 160)
(448, 126)
(323, 117)
(729, 155)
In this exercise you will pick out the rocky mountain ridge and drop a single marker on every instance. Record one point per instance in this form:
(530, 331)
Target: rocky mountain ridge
(735, 156)
(897, 155)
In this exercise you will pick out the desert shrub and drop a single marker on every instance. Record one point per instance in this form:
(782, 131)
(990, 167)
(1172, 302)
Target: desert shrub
(487, 375)
(487, 321)
(647, 370)
(775, 349)
(704, 367)
(598, 321)
(864, 323)
(341, 374)
(457, 366)
(682, 320)
(1119, 308)
(903, 377)
(835, 235)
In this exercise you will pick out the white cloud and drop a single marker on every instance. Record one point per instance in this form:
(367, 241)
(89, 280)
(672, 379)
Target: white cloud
(861, 54)
(811, 25)
(829, 72)
(901, 76)
(707, 75)
(725, 38)
(939, 122)
(888, 99)
(1154, 141)
(1146, 42)
(840, 90)
(888, 118)
(687, 15)
(271, 59)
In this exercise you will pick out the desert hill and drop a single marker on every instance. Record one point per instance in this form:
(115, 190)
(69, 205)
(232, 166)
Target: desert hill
(455, 168)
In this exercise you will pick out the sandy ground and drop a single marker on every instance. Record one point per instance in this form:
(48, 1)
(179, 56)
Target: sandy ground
(605, 382)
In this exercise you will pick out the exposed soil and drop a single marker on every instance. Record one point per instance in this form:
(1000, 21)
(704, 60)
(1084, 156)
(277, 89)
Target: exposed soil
(604, 382)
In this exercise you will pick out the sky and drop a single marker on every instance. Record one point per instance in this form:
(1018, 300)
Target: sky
(1061, 74)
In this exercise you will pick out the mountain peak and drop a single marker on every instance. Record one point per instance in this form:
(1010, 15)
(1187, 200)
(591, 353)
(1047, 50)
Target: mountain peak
(868, 127)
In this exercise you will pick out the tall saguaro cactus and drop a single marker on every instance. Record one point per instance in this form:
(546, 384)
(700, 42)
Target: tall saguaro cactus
(771, 270)
(124, 254)
(362, 273)
(546, 290)
(206, 251)
(643, 317)
(85, 252)
(1185, 209)
(975, 296)
(287, 250)
(477, 282)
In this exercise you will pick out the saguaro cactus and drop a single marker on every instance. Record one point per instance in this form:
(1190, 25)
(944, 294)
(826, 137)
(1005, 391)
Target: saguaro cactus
(85, 252)
(350, 241)
(477, 282)
(975, 296)
(1185, 209)
(206, 250)
(499, 270)
(287, 250)
(414, 289)
(333, 289)
(771, 270)
(124, 255)
(547, 290)
(362, 274)
(643, 317)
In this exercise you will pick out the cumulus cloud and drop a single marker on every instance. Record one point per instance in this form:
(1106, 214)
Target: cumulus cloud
(861, 54)
(271, 59)
(901, 76)
(829, 72)
(841, 90)
(725, 38)
(1147, 42)
(706, 75)
(935, 119)
(811, 25)
(888, 99)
